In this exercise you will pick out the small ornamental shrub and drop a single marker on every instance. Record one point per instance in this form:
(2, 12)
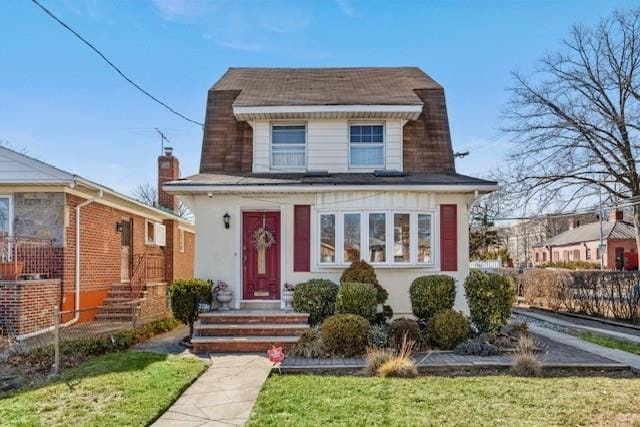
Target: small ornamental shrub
(430, 294)
(384, 315)
(185, 295)
(379, 335)
(345, 335)
(526, 363)
(401, 329)
(362, 272)
(447, 329)
(316, 297)
(357, 298)
(309, 344)
(476, 347)
(490, 297)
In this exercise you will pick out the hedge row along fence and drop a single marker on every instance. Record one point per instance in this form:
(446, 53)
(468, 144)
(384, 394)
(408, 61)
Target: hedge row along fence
(606, 294)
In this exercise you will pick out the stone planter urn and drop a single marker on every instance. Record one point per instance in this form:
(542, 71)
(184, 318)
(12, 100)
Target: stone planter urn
(224, 298)
(287, 297)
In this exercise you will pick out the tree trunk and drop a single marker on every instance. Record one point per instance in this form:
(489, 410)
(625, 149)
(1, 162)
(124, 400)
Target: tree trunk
(636, 226)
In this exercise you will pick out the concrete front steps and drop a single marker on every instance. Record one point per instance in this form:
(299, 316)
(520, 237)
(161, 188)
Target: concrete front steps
(247, 330)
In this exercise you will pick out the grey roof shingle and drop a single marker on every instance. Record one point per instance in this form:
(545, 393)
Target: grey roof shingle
(330, 179)
(325, 86)
(618, 230)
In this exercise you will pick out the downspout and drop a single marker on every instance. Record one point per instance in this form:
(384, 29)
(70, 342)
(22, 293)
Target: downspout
(77, 259)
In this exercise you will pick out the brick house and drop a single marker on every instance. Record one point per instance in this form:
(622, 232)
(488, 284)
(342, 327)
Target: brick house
(128, 251)
(332, 165)
(582, 243)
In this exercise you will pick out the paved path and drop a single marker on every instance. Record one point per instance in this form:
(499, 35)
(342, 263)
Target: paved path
(222, 396)
(572, 324)
(168, 342)
(619, 356)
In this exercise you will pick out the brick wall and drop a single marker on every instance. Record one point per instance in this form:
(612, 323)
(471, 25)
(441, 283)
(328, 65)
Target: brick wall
(179, 265)
(28, 306)
(168, 170)
(156, 304)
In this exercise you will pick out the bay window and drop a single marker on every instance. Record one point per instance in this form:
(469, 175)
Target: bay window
(377, 238)
(288, 146)
(327, 239)
(382, 238)
(366, 145)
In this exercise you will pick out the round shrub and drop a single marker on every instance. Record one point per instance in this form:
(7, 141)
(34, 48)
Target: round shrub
(316, 297)
(345, 335)
(448, 328)
(490, 297)
(430, 294)
(362, 272)
(357, 298)
(401, 328)
(185, 295)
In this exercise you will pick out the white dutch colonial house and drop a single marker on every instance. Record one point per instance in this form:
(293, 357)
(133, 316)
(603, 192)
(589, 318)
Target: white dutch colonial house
(336, 165)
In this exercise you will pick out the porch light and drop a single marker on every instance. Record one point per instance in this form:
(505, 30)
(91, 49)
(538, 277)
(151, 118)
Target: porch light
(119, 227)
(226, 218)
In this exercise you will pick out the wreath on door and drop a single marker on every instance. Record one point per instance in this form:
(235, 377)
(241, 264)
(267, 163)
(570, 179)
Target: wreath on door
(263, 238)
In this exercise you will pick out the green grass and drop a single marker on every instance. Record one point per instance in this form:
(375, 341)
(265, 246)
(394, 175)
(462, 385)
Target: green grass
(610, 342)
(434, 401)
(118, 389)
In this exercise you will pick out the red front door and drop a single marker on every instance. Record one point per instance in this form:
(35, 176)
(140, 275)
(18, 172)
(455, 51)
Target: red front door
(261, 255)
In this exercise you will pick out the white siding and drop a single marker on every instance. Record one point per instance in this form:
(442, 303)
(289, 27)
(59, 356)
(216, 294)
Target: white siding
(327, 145)
(17, 168)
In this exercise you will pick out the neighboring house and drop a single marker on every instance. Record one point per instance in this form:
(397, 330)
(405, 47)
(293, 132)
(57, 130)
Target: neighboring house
(583, 244)
(336, 165)
(521, 237)
(127, 252)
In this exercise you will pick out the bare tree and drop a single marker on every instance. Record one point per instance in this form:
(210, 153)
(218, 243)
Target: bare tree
(147, 193)
(576, 121)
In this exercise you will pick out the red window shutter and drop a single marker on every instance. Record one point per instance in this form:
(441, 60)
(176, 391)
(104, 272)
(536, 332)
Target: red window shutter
(302, 238)
(449, 237)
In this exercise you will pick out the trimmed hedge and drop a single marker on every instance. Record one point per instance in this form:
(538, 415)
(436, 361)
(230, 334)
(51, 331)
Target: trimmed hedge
(430, 294)
(185, 296)
(490, 297)
(362, 272)
(357, 298)
(316, 297)
(345, 335)
(404, 327)
(448, 328)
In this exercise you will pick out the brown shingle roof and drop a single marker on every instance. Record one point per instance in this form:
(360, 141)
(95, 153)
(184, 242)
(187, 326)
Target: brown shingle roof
(615, 230)
(326, 86)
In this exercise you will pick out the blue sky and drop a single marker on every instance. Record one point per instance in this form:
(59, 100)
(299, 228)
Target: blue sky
(62, 104)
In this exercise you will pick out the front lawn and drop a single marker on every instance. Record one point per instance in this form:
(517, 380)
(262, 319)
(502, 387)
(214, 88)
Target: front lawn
(118, 389)
(610, 342)
(460, 401)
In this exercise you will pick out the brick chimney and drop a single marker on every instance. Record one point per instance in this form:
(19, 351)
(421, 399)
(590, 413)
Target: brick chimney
(616, 215)
(168, 170)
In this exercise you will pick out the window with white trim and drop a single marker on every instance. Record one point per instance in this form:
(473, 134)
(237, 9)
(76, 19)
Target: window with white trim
(6, 219)
(288, 146)
(155, 233)
(387, 238)
(327, 238)
(366, 145)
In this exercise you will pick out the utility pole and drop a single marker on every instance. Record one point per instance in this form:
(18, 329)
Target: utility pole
(601, 246)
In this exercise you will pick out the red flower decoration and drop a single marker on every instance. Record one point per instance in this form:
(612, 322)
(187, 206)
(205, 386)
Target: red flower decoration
(276, 355)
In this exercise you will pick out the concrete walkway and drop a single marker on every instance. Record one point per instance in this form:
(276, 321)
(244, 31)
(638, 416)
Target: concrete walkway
(580, 325)
(222, 396)
(619, 356)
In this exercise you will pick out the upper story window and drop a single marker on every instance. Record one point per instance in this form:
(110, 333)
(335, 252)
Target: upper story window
(366, 145)
(288, 146)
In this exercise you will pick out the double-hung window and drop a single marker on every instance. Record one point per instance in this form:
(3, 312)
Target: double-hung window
(366, 145)
(288, 146)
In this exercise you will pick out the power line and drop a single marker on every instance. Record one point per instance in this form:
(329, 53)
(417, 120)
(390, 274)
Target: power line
(112, 65)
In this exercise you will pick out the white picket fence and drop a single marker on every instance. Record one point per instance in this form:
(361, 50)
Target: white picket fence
(489, 264)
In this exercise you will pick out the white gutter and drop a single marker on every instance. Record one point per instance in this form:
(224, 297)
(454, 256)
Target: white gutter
(295, 187)
(77, 260)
